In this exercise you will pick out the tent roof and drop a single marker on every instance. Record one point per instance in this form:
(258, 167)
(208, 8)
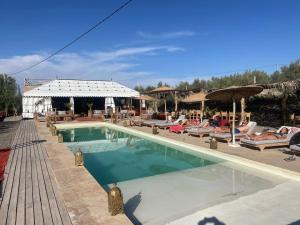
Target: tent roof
(81, 88)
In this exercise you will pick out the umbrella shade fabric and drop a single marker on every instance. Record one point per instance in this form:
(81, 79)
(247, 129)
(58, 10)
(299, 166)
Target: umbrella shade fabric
(145, 97)
(234, 92)
(162, 89)
(198, 97)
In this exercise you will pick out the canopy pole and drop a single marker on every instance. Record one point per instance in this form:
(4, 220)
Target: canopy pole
(72, 104)
(140, 108)
(165, 106)
(202, 110)
(130, 108)
(233, 123)
(242, 108)
(156, 102)
(175, 97)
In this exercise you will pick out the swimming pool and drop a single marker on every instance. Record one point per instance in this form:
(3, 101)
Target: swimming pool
(161, 182)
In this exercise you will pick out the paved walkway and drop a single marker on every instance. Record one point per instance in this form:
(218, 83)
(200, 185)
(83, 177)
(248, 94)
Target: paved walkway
(30, 195)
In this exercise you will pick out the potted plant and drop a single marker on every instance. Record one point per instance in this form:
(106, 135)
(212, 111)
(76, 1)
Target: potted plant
(90, 112)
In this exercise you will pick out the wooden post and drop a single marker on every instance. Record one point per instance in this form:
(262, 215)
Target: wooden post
(176, 105)
(242, 108)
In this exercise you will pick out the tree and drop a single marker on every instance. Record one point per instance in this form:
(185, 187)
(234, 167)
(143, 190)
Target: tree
(10, 96)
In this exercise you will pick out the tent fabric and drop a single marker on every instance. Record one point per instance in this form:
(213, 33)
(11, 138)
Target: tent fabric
(35, 104)
(39, 98)
(81, 88)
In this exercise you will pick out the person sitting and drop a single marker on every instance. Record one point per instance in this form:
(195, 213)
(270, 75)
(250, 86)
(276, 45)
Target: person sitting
(243, 128)
(215, 121)
(281, 134)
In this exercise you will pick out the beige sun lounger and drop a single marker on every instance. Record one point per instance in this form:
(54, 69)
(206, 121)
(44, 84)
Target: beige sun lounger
(261, 145)
(228, 136)
(200, 131)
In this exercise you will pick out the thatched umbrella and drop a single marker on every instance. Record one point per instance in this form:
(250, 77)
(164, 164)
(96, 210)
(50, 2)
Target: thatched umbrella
(232, 94)
(290, 85)
(164, 90)
(144, 98)
(285, 88)
(198, 97)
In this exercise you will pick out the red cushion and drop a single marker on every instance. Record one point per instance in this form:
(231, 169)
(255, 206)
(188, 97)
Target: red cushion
(223, 123)
(4, 154)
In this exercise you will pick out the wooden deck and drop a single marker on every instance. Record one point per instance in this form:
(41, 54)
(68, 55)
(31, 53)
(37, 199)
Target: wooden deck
(30, 195)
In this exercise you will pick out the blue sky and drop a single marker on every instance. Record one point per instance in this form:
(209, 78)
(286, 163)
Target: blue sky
(168, 40)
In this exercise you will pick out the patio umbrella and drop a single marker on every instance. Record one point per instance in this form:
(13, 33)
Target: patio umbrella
(164, 90)
(232, 94)
(144, 98)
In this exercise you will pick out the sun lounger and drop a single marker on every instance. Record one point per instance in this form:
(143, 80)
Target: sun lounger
(204, 123)
(228, 136)
(152, 122)
(200, 131)
(295, 148)
(261, 145)
(177, 128)
(165, 125)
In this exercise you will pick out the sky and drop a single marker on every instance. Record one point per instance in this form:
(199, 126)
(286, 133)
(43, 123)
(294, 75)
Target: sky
(148, 41)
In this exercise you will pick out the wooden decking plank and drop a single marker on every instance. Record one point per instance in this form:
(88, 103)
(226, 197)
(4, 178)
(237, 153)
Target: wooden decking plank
(51, 197)
(42, 187)
(11, 216)
(65, 218)
(30, 192)
(9, 162)
(20, 214)
(36, 198)
(29, 218)
(8, 182)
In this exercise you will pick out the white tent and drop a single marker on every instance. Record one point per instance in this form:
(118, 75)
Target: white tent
(39, 98)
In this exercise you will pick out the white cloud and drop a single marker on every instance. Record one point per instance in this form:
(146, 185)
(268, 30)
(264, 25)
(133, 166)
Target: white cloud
(120, 64)
(166, 35)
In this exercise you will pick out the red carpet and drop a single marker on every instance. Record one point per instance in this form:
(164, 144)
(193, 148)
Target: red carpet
(4, 154)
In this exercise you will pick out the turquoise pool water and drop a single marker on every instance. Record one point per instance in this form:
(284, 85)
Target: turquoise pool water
(115, 156)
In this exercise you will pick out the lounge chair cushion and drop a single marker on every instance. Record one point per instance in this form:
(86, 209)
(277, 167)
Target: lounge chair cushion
(251, 126)
(199, 130)
(252, 142)
(61, 113)
(149, 122)
(295, 148)
(226, 135)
